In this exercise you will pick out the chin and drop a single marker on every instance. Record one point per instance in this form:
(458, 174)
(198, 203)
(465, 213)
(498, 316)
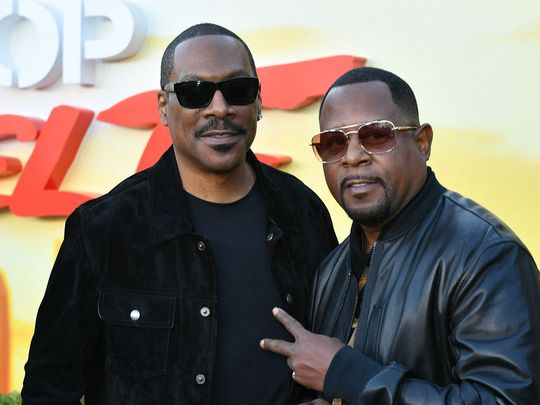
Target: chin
(225, 159)
(374, 215)
(223, 167)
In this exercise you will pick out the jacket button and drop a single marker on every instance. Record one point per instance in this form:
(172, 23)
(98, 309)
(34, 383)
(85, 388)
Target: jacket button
(205, 311)
(135, 315)
(270, 236)
(200, 379)
(289, 299)
(201, 246)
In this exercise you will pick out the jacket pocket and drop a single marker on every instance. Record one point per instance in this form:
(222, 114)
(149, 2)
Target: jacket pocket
(137, 327)
(371, 347)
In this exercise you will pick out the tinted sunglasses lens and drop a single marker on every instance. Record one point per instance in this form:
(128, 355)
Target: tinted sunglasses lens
(241, 91)
(330, 146)
(194, 94)
(377, 137)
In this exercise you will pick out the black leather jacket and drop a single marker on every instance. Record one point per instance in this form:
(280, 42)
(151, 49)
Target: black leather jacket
(134, 248)
(450, 312)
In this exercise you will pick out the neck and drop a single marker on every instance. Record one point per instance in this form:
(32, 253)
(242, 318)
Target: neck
(218, 188)
(370, 237)
(372, 233)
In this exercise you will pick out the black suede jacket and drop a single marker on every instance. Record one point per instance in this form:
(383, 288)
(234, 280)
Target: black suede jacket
(128, 316)
(450, 313)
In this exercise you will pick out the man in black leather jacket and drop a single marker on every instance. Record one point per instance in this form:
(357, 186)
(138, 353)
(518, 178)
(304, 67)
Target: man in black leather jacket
(436, 300)
(163, 287)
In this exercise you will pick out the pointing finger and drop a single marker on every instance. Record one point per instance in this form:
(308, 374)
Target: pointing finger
(294, 327)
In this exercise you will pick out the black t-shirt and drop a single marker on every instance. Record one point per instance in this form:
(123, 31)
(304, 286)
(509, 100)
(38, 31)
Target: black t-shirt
(244, 373)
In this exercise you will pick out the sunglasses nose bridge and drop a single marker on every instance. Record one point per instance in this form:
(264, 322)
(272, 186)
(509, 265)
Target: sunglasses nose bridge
(355, 135)
(218, 104)
(355, 151)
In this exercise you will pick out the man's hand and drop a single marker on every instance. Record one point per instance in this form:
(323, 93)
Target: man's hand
(309, 356)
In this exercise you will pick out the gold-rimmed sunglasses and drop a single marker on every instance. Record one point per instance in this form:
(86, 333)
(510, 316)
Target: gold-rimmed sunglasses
(375, 137)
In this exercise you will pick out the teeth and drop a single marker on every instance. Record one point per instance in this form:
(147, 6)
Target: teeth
(359, 183)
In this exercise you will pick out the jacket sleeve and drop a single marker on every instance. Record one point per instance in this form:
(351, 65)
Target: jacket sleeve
(66, 327)
(494, 318)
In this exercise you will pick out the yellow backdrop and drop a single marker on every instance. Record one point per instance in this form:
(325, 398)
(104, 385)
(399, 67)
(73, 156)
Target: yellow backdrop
(473, 66)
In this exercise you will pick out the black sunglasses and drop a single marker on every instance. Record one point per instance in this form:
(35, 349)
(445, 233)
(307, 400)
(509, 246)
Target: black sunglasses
(199, 93)
(375, 137)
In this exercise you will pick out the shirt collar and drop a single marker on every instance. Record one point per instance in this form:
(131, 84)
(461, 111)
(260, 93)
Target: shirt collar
(359, 259)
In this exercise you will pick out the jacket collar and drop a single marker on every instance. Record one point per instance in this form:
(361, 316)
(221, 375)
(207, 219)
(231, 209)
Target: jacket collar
(169, 204)
(279, 209)
(413, 212)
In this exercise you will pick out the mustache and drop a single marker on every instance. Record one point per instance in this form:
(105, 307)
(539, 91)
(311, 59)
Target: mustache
(371, 179)
(216, 124)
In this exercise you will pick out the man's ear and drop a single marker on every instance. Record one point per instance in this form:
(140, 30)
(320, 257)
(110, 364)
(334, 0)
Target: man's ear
(259, 108)
(163, 100)
(424, 137)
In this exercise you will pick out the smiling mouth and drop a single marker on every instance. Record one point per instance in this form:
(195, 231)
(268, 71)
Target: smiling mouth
(349, 183)
(360, 185)
(220, 138)
(219, 134)
(220, 141)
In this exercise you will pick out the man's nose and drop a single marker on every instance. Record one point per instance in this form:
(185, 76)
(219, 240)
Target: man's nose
(355, 154)
(218, 106)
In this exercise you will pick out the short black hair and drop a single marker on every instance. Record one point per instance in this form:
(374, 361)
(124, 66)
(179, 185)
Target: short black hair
(198, 30)
(401, 92)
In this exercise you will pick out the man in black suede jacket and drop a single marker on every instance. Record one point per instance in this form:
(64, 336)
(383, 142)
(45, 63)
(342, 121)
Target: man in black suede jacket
(163, 287)
(431, 299)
